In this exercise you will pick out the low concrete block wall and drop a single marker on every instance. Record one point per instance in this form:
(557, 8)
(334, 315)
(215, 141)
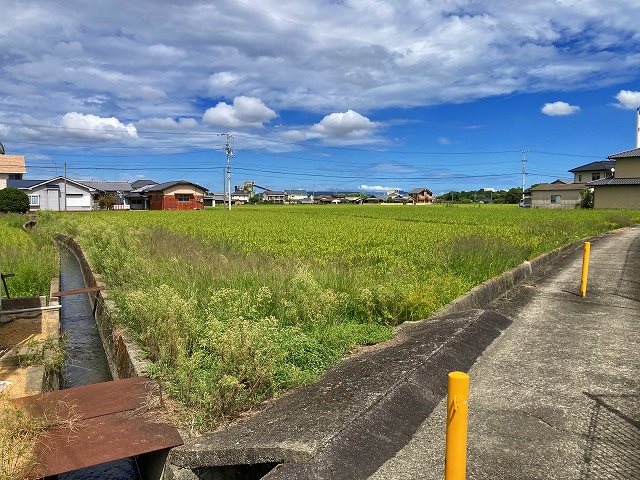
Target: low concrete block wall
(25, 302)
(125, 358)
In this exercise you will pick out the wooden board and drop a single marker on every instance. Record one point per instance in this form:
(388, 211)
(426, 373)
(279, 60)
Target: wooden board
(107, 421)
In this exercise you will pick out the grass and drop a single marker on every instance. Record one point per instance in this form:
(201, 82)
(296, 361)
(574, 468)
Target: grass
(31, 257)
(19, 432)
(234, 308)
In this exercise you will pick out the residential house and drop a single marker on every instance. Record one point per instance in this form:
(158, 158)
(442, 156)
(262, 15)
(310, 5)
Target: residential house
(240, 196)
(296, 196)
(273, 196)
(213, 199)
(136, 198)
(593, 171)
(557, 194)
(118, 190)
(421, 195)
(175, 195)
(564, 194)
(56, 194)
(623, 189)
(12, 167)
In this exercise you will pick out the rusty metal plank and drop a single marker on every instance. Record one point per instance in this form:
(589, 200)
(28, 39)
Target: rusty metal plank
(93, 400)
(106, 421)
(76, 291)
(102, 439)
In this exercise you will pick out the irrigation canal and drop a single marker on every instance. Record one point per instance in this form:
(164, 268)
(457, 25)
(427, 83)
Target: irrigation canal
(85, 362)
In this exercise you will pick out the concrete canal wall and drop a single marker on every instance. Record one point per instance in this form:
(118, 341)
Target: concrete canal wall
(123, 355)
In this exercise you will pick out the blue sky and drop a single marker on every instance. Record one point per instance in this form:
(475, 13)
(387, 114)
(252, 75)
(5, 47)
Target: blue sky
(350, 95)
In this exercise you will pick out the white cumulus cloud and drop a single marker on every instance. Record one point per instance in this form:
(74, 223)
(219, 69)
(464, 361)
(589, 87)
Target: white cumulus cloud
(559, 109)
(245, 112)
(377, 188)
(628, 99)
(92, 126)
(344, 125)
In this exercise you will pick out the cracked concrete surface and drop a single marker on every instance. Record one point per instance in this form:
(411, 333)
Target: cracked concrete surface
(557, 396)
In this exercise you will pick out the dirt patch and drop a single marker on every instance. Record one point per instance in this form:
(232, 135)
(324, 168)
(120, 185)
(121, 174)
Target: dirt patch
(19, 330)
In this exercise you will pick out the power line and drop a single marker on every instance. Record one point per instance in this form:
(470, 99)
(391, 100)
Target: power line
(310, 175)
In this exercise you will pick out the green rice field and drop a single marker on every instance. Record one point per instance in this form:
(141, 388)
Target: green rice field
(236, 307)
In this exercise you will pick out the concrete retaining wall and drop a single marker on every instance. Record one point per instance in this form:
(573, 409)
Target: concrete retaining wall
(32, 379)
(125, 358)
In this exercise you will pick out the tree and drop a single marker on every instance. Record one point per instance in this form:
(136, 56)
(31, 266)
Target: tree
(586, 198)
(106, 201)
(13, 200)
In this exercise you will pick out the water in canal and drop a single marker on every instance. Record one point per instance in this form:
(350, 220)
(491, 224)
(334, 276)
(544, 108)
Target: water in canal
(86, 362)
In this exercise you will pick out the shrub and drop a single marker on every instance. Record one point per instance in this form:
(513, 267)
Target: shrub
(106, 202)
(586, 198)
(13, 200)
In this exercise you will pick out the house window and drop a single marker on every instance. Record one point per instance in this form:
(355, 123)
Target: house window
(595, 176)
(579, 178)
(34, 200)
(555, 198)
(184, 198)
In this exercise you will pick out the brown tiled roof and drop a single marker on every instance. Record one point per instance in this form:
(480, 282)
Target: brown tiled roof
(12, 164)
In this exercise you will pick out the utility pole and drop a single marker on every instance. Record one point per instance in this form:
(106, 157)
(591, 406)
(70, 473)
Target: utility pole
(65, 186)
(229, 152)
(524, 169)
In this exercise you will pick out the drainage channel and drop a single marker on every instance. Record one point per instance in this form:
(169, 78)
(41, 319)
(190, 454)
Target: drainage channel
(85, 362)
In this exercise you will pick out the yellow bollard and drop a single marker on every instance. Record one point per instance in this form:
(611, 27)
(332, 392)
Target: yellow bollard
(585, 269)
(455, 462)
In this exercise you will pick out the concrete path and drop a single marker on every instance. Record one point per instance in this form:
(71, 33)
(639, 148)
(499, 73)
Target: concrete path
(557, 396)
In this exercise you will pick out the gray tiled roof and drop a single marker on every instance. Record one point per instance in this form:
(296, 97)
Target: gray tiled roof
(142, 183)
(615, 181)
(629, 153)
(107, 186)
(163, 186)
(600, 165)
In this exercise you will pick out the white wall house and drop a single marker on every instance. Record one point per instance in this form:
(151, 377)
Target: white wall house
(54, 195)
(296, 196)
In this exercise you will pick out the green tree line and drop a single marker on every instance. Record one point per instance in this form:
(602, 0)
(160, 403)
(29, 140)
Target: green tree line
(513, 195)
